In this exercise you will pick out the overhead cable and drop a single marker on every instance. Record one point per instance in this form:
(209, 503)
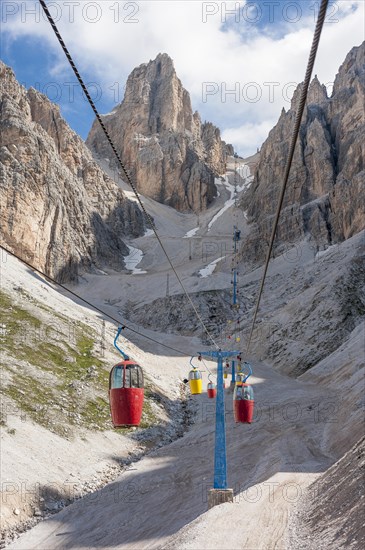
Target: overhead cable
(127, 175)
(298, 120)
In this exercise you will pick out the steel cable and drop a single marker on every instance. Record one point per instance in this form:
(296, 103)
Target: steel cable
(128, 177)
(299, 116)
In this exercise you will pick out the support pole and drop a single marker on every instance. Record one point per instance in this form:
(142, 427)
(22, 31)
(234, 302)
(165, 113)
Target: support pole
(233, 380)
(168, 285)
(220, 494)
(235, 239)
(234, 287)
(220, 459)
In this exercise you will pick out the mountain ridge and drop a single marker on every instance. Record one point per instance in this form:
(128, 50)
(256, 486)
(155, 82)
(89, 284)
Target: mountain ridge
(324, 200)
(59, 210)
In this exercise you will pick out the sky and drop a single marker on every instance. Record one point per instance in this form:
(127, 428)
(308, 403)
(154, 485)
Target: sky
(240, 60)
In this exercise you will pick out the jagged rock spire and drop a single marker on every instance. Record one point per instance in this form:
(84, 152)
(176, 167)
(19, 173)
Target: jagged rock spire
(172, 156)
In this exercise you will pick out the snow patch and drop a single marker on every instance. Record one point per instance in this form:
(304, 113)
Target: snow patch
(321, 253)
(142, 138)
(208, 270)
(227, 204)
(218, 181)
(244, 172)
(191, 233)
(133, 259)
(130, 195)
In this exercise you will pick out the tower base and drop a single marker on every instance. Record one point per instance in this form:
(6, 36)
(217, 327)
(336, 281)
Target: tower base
(219, 496)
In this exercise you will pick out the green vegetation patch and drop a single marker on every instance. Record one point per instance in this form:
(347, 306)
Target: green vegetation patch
(55, 377)
(15, 317)
(96, 414)
(32, 398)
(64, 350)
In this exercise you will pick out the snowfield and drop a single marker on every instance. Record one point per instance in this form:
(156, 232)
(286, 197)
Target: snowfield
(133, 260)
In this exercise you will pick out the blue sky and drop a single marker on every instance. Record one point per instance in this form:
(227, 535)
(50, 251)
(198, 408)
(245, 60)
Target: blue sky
(240, 61)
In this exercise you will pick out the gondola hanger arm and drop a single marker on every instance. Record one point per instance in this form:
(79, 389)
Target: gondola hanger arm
(124, 355)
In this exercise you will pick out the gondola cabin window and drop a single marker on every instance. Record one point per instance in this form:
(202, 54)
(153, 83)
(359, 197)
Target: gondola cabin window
(117, 378)
(130, 376)
(133, 377)
(248, 393)
(244, 392)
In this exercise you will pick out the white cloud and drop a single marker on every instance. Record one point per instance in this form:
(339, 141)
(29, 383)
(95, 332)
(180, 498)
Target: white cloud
(258, 64)
(248, 137)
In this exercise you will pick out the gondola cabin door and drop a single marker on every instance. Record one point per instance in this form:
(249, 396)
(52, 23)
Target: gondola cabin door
(126, 394)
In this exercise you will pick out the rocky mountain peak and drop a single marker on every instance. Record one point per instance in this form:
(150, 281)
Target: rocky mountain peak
(156, 86)
(317, 92)
(324, 201)
(171, 155)
(352, 70)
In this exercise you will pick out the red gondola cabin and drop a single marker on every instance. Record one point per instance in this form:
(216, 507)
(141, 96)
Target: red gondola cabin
(243, 401)
(211, 390)
(126, 394)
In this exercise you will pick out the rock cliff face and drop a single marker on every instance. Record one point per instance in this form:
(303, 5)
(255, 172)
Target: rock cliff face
(59, 210)
(325, 197)
(171, 155)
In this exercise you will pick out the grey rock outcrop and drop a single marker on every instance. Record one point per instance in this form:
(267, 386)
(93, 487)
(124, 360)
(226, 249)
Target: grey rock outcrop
(59, 210)
(171, 155)
(317, 522)
(173, 314)
(325, 197)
